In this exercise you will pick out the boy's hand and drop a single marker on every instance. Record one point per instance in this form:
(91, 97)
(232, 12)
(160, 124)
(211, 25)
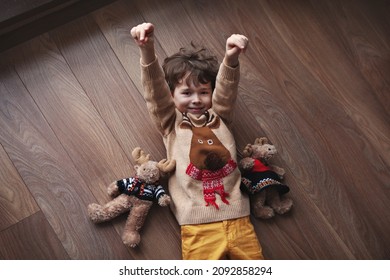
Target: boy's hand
(143, 34)
(235, 45)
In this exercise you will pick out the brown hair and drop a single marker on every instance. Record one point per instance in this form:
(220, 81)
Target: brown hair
(198, 61)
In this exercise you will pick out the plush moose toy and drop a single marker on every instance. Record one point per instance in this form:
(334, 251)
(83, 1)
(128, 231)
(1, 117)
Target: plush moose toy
(135, 194)
(263, 181)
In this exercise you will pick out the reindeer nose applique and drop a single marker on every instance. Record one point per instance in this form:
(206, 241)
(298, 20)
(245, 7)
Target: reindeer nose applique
(213, 161)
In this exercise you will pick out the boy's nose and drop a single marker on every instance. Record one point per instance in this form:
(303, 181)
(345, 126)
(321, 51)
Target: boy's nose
(196, 98)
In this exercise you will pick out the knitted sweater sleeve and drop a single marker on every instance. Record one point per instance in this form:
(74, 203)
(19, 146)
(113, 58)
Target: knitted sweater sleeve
(158, 97)
(225, 93)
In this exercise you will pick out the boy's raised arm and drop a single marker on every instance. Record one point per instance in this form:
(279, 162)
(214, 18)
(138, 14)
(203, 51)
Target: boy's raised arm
(226, 88)
(155, 89)
(143, 35)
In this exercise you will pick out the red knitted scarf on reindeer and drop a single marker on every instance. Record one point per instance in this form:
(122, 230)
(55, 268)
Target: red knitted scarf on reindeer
(212, 181)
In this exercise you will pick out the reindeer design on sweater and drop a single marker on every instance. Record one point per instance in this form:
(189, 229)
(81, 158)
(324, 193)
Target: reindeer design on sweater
(210, 161)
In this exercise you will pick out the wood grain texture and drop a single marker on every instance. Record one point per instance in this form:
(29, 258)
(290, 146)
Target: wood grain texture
(50, 174)
(16, 201)
(314, 80)
(27, 241)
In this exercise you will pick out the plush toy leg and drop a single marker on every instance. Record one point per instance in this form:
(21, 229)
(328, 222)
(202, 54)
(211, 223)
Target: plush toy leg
(135, 221)
(101, 213)
(280, 205)
(258, 207)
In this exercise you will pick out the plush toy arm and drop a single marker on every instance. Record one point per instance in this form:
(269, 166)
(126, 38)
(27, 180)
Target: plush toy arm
(278, 170)
(113, 189)
(246, 164)
(164, 200)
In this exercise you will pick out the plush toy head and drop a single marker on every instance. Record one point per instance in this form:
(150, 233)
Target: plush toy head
(261, 149)
(262, 181)
(148, 170)
(135, 194)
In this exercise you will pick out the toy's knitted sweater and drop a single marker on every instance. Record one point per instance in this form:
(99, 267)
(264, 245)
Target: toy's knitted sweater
(142, 190)
(199, 194)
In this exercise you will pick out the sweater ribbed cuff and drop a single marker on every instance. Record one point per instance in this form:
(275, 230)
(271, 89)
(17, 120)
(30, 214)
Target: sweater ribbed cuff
(229, 73)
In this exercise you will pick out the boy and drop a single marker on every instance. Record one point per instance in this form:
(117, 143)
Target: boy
(190, 101)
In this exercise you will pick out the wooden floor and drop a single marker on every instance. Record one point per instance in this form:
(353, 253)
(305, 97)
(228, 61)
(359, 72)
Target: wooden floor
(315, 81)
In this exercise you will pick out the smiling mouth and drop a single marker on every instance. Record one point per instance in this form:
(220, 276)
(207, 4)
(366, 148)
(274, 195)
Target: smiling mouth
(196, 110)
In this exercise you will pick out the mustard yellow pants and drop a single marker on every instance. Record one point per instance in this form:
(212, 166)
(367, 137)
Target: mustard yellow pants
(230, 239)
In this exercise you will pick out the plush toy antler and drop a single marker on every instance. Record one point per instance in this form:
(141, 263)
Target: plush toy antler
(166, 166)
(139, 156)
(136, 193)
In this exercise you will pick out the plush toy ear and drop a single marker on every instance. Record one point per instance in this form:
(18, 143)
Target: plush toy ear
(247, 151)
(261, 141)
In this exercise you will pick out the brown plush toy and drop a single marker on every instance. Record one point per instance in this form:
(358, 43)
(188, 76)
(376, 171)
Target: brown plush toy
(263, 181)
(135, 194)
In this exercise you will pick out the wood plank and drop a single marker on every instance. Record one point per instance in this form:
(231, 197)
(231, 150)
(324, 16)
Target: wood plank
(351, 97)
(44, 17)
(11, 9)
(46, 167)
(115, 22)
(16, 202)
(108, 86)
(27, 241)
(71, 114)
(336, 91)
(362, 33)
(173, 34)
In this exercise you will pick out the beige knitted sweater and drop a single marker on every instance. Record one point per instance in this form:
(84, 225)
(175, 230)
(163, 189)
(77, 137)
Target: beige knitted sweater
(199, 195)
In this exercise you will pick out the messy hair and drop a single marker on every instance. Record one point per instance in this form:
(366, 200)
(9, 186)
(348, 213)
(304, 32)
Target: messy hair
(198, 61)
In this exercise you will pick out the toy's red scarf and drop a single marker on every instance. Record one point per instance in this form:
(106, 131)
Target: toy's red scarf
(212, 181)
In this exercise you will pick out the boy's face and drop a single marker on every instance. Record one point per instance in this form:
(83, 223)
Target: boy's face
(191, 98)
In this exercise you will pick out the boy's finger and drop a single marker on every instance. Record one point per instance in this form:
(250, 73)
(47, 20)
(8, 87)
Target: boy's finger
(149, 28)
(141, 35)
(133, 33)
